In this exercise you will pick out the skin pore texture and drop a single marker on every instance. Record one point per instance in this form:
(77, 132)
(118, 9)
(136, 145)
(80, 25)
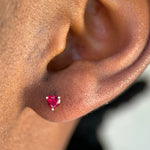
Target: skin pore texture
(88, 52)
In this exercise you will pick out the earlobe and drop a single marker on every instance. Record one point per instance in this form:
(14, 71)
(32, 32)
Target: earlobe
(112, 49)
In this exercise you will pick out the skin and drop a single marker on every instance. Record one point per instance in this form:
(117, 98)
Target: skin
(87, 52)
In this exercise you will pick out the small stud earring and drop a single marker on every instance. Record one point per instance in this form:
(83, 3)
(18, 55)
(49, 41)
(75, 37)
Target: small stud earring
(53, 101)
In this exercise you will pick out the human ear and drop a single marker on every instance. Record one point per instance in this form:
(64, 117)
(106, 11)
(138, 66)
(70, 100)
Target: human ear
(106, 47)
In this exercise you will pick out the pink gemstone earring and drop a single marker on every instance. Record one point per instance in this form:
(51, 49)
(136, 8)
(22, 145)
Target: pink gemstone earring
(53, 101)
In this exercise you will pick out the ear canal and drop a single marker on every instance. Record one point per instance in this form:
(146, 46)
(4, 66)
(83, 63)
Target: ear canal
(103, 56)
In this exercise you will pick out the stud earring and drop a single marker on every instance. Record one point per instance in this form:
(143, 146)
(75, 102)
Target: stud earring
(53, 101)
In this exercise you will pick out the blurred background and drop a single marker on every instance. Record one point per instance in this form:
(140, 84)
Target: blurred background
(123, 124)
